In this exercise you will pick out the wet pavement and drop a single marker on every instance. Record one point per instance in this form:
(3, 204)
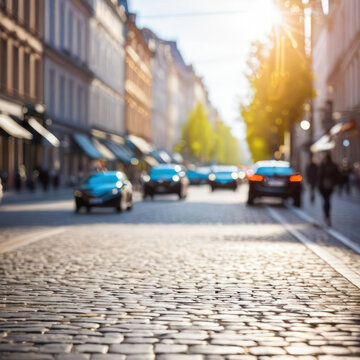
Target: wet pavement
(206, 278)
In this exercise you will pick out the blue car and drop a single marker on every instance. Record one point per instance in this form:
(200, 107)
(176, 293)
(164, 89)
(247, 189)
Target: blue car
(166, 179)
(274, 179)
(199, 175)
(104, 189)
(224, 177)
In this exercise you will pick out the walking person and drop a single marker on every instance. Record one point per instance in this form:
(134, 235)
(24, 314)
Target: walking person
(312, 178)
(328, 179)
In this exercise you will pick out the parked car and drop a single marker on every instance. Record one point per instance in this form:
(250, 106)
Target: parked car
(274, 179)
(166, 179)
(225, 177)
(105, 189)
(199, 175)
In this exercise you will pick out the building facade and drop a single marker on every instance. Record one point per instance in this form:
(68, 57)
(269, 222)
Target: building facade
(336, 65)
(21, 91)
(67, 80)
(138, 79)
(107, 64)
(84, 82)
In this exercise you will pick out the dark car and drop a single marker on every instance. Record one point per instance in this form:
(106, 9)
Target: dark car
(104, 189)
(224, 177)
(166, 179)
(199, 175)
(274, 179)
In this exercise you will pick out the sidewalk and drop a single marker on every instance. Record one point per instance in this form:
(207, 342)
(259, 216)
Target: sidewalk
(345, 213)
(12, 197)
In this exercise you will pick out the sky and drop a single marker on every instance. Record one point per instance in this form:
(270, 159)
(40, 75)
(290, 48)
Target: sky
(216, 44)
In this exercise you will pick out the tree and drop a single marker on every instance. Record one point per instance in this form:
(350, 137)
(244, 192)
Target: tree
(200, 142)
(280, 78)
(226, 150)
(197, 140)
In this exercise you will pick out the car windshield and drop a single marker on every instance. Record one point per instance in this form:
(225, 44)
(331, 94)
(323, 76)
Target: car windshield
(102, 179)
(275, 170)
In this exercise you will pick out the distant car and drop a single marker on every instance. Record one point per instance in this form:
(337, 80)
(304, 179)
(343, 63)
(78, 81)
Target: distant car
(199, 175)
(166, 179)
(274, 179)
(105, 189)
(225, 177)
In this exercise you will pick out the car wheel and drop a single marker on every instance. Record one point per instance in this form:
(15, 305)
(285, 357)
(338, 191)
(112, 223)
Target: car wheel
(88, 209)
(145, 195)
(297, 200)
(152, 196)
(77, 209)
(212, 189)
(234, 188)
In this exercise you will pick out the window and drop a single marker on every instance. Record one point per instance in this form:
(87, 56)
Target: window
(3, 6)
(15, 71)
(52, 91)
(62, 25)
(27, 13)
(38, 78)
(62, 95)
(15, 8)
(79, 104)
(3, 64)
(51, 22)
(27, 73)
(70, 31)
(79, 39)
(71, 99)
(38, 8)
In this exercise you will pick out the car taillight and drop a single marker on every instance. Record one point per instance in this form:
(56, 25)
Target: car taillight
(296, 178)
(255, 177)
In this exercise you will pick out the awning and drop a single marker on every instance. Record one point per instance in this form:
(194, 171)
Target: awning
(177, 158)
(325, 143)
(150, 160)
(139, 144)
(52, 139)
(161, 156)
(122, 153)
(105, 152)
(12, 128)
(87, 146)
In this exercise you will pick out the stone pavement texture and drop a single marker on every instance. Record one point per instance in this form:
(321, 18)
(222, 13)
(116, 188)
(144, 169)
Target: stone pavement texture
(204, 279)
(345, 213)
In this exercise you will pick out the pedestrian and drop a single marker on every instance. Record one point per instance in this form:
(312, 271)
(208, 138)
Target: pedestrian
(312, 178)
(44, 178)
(56, 180)
(328, 180)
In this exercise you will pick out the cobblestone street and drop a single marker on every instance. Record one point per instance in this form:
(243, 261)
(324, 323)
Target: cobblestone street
(208, 278)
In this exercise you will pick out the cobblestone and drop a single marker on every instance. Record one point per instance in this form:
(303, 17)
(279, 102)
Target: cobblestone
(203, 279)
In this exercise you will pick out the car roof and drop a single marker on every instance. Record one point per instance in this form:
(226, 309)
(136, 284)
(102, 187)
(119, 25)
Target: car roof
(165, 167)
(229, 168)
(108, 173)
(272, 163)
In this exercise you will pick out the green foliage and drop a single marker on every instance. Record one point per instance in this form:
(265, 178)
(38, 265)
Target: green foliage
(200, 142)
(281, 81)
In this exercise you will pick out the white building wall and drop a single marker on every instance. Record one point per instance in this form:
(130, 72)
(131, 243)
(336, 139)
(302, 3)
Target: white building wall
(65, 94)
(66, 88)
(160, 96)
(107, 62)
